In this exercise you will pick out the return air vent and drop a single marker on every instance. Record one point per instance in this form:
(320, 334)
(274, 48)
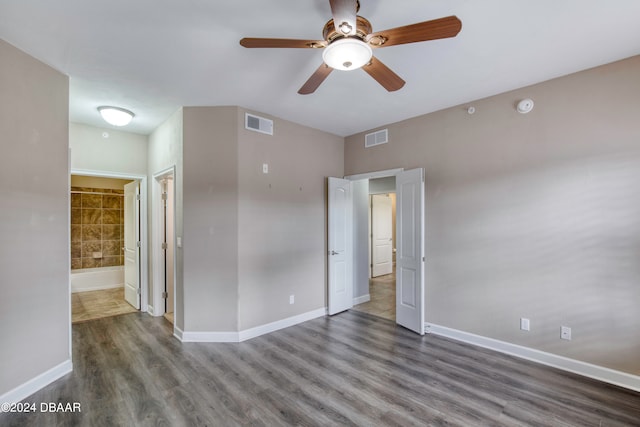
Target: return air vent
(258, 124)
(376, 138)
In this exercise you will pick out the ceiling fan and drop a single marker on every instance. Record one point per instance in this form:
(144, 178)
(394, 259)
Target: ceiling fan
(349, 41)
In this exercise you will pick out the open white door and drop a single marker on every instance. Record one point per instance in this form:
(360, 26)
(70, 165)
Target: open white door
(409, 255)
(131, 244)
(340, 262)
(169, 240)
(381, 235)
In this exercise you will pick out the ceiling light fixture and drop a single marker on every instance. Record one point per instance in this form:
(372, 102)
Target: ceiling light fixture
(347, 54)
(116, 116)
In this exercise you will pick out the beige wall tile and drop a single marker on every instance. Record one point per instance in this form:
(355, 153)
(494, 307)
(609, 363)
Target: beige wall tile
(91, 233)
(111, 216)
(91, 201)
(92, 216)
(111, 232)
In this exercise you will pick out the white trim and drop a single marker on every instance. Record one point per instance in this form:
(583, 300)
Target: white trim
(362, 299)
(79, 289)
(247, 334)
(177, 332)
(589, 370)
(209, 336)
(377, 174)
(280, 324)
(44, 379)
(157, 236)
(144, 257)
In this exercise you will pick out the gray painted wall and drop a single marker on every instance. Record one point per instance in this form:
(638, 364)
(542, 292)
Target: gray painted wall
(34, 218)
(210, 216)
(533, 215)
(121, 152)
(165, 150)
(282, 217)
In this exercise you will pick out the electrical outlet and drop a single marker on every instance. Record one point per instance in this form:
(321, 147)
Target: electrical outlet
(265, 168)
(524, 324)
(565, 333)
(292, 299)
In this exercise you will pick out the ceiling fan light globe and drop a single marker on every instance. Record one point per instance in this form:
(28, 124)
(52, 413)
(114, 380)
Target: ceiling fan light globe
(347, 54)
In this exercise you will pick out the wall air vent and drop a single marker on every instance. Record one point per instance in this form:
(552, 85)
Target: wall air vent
(258, 124)
(376, 138)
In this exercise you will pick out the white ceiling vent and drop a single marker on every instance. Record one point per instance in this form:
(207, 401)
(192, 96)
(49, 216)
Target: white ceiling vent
(258, 124)
(376, 138)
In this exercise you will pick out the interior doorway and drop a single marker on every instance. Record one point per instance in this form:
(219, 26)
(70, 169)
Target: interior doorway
(380, 299)
(101, 267)
(164, 244)
(349, 259)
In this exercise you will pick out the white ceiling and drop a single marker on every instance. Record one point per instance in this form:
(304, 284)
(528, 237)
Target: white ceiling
(153, 56)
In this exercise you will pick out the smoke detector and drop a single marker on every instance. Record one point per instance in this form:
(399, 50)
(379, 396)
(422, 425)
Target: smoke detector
(525, 106)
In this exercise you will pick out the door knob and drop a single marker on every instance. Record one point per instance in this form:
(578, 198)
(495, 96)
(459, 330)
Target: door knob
(334, 253)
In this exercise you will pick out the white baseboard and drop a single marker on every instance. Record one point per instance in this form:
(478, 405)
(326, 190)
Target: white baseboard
(589, 370)
(177, 332)
(27, 389)
(187, 336)
(362, 299)
(280, 324)
(90, 288)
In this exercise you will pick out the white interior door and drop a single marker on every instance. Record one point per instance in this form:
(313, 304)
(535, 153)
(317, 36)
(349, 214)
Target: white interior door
(410, 250)
(340, 246)
(169, 239)
(131, 244)
(381, 235)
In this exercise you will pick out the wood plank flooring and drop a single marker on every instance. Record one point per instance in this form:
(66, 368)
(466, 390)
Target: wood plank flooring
(347, 370)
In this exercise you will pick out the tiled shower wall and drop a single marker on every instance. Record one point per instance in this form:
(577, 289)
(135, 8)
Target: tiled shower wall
(97, 227)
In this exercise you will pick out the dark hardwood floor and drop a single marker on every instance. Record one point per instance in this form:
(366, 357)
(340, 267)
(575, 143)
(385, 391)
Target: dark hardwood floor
(349, 369)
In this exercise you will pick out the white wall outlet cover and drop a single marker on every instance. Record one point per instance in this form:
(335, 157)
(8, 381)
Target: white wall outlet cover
(525, 106)
(265, 168)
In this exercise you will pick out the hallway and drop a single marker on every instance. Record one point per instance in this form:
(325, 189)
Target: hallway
(382, 291)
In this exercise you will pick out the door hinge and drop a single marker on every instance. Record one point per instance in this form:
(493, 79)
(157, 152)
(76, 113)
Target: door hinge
(164, 245)
(139, 244)
(138, 291)
(422, 259)
(165, 295)
(164, 196)
(137, 197)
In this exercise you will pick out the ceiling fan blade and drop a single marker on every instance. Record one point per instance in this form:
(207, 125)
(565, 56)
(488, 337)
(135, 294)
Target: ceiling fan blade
(315, 80)
(441, 28)
(292, 43)
(344, 16)
(383, 75)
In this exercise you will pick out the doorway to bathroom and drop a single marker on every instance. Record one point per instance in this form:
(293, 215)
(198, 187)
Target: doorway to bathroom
(108, 220)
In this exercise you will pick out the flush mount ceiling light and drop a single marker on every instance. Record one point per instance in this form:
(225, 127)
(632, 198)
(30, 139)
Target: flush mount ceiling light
(347, 54)
(116, 116)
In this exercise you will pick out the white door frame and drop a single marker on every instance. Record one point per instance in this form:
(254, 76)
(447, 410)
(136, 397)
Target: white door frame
(384, 174)
(144, 280)
(157, 237)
